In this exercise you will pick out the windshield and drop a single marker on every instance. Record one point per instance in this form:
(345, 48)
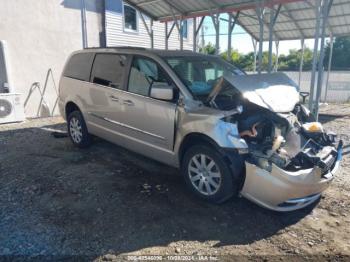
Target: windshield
(200, 74)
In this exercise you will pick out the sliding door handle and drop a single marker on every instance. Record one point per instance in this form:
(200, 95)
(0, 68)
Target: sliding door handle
(128, 102)
(114, 98)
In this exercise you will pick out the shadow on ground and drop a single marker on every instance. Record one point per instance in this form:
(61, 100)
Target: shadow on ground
(107, 198)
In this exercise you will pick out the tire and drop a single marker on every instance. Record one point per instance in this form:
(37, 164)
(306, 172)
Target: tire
(77, 130)
(219, 174)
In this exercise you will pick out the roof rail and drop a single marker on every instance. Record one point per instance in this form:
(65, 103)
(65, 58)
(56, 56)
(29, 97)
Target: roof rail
(117, 47)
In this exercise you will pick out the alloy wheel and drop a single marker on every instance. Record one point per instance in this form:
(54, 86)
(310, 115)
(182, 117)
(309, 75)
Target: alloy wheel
(75, 130)
(204, 174)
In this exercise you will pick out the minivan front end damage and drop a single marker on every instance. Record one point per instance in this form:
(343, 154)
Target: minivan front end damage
(286, 166)
(289, 158)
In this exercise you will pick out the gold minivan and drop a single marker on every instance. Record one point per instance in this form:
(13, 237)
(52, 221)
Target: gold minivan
(228, 132)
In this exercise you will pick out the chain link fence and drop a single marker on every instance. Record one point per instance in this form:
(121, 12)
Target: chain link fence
(338, 86)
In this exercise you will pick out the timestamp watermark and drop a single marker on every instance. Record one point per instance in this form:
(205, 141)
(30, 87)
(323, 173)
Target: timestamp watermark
(200, 258)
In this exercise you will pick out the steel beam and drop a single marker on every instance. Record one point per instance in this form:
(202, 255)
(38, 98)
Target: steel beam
(231, 26)
(83, 24)
(272, 14)
(302, 42)
(149, 29)
(273, 19)
(254, 42)
(181, 35)
(166, 36)
(194, 30)
(260, 12)
(200, 25)
(315, 53)
(277, 43)
(216, 23)
(325, 12)
(229, 37)
(329, 67)
(178, 26)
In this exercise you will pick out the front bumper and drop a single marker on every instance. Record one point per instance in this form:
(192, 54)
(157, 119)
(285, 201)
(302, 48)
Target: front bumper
(282, 190)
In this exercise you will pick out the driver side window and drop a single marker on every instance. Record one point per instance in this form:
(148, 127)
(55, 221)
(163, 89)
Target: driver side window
(143, 73)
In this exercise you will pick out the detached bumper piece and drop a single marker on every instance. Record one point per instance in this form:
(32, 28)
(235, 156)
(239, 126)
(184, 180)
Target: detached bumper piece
(316, 155)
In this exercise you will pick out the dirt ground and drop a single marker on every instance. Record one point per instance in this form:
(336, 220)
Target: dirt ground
(106, 203)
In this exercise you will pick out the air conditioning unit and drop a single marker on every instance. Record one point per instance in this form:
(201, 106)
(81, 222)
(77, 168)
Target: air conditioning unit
(11, 108)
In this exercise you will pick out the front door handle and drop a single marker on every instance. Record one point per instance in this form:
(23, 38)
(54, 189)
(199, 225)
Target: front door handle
(128, 102)
(114, 98)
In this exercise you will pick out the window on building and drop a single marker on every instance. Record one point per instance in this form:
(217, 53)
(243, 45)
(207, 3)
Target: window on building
(130, 19)
(184, 29)
(108, 70)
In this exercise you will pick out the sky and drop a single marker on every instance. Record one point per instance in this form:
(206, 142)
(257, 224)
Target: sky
(241, 40)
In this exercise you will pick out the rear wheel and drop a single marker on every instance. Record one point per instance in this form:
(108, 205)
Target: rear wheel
(77, 130)
(207, 174)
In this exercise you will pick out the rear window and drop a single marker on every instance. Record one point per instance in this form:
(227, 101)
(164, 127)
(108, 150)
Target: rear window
(109, 70)
(79, 66)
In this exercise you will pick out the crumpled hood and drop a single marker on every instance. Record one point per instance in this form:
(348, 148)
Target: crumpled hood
(276, 91)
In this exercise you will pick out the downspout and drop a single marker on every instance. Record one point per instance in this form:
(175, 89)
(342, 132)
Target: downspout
(83, 24)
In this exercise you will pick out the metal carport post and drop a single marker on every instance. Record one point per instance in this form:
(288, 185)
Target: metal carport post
(196, 31)
(231, 26)
(329, 67)
(314, 59)
(260, 13)
(254, 42)
(327, 4)
(83, 24)
(273, 19)
(167, 34)
(216, 23)
(178, 25)
(302, 42)
(277, 43)
(149, 29)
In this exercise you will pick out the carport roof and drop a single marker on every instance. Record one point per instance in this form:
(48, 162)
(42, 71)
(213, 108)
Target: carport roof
(296, 19)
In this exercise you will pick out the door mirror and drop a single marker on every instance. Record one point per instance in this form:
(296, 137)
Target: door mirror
(162, 91)
(304, 95)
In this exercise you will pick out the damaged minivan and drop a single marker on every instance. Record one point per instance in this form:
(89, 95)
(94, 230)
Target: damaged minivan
(228, 132)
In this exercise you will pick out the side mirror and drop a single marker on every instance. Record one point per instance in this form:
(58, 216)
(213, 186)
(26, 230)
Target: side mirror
(162, 91)
(304, 95)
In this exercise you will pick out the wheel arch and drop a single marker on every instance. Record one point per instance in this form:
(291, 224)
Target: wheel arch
(71, 107)
(196, 138)
(232, 158)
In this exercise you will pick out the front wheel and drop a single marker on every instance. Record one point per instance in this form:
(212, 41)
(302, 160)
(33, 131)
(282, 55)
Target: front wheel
(77, 130)
(207, 174)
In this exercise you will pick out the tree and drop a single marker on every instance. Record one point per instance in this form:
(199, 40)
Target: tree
(209, 49)
(246, 62)
(242, 61)
(341, 54)
(291, 62)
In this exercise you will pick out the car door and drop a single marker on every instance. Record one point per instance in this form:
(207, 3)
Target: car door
(148, 123)
(107, 80)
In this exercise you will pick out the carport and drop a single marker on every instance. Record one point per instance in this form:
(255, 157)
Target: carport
(270, 20)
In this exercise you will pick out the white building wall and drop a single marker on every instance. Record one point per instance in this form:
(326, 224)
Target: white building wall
(40, 35)
(116, 36)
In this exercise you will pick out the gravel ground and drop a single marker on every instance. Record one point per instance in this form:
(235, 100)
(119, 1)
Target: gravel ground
(105, 202)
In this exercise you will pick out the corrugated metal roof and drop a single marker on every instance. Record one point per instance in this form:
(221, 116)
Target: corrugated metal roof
(296, 20)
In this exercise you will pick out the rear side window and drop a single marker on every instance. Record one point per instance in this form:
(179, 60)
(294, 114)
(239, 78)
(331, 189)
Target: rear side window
(79, 66)
(108, 70)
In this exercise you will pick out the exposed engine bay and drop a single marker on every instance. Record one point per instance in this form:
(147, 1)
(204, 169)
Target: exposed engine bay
(292, 141)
